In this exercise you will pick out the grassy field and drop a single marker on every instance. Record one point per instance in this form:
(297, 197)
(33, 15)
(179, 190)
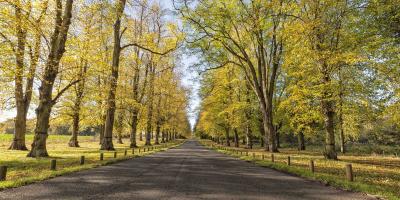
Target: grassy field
(23, 170)
(375, 175)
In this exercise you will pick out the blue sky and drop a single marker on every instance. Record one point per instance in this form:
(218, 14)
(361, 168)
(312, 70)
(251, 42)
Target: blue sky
(189, 77)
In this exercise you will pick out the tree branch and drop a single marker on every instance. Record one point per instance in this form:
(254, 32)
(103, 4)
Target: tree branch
(64, 90)
(149, 50)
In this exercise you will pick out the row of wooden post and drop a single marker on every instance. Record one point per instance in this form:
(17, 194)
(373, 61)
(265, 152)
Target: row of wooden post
(348, 167)
(53, 163)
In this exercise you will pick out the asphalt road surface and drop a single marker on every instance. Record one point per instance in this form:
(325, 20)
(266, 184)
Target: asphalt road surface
(187, 172)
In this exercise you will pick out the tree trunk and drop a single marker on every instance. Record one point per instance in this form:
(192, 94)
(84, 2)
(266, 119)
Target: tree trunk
(342, 141)
(107, 143)
(228, 142)
(18, 142)
(300, 140)
(150, 105)
(120, 127)
(57, 48)
(329, 114)
(134, 122)
(73, 142)
(236, 137)
(158, 129)
(249, 138)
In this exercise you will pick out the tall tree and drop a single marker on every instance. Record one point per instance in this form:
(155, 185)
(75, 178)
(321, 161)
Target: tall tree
(46, 101)
(107, 143)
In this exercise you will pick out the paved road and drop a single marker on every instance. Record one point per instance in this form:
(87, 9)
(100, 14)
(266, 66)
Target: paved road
(187, 172)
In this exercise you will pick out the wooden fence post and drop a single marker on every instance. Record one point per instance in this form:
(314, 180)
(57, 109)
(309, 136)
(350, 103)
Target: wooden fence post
(288, 160)
(115, 154)
(349, 172)
(3, 173)
(254, 156)
(133, 150)
(82, 160)
(272, 158)
(312, 167)
(262, 156)
(126, 152)
(101, 156)
(53, 164)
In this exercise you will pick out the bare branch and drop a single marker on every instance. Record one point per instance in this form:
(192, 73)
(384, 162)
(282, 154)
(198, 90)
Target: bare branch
(64, 90)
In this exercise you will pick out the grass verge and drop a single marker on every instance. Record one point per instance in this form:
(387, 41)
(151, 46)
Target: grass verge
(381, 181)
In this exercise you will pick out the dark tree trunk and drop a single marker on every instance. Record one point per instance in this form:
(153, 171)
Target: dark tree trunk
(120, 127)
(73, 142)
(301, 144)
(107, 143)
(46, 102)
(150, 105)
(228, 142)
(236, 138)
(158, 129)
(134, 122)
(329, 114)
(163, 136)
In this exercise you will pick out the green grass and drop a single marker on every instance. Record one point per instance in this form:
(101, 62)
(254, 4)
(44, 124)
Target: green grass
(375, 175)
(23, 170)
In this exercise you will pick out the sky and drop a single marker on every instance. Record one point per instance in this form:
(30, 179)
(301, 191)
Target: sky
(189, 77)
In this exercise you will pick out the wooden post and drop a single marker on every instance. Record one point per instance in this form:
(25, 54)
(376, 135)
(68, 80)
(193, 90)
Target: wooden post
(3, 173)
(349, 172)
(262, 156)
(241, 152)
(312, 167)
(115, 154)
(126, 152)
(254, 156)
(53, 164)
(133, 151)
(144, 149)
(139, 150)
(82, 160)
(247, 153)
(101, 156)
(288, 160)
(272, 158)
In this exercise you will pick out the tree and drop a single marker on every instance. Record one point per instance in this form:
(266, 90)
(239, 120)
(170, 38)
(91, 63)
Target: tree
(46, 102)
(24, 20)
